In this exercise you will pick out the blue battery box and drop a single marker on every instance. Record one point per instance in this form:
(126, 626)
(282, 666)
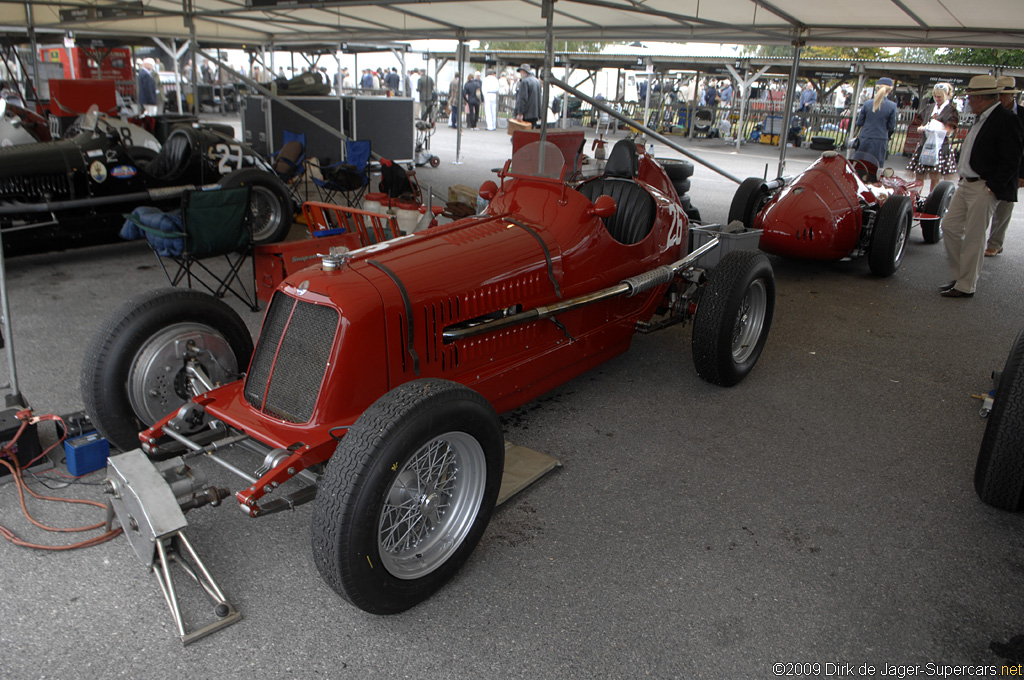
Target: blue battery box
(86, 454)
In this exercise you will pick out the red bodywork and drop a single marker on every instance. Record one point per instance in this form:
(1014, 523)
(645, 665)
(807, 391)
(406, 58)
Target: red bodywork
(538, 243)
(820, 215)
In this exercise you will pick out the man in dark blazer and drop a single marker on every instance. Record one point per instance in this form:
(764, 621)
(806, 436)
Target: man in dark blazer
(989, 169)
(1004, 209)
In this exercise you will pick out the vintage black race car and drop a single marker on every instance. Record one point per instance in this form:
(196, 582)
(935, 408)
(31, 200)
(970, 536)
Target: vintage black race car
(75, 191)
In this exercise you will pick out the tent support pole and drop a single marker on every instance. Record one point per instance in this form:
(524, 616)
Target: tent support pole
(787, 113)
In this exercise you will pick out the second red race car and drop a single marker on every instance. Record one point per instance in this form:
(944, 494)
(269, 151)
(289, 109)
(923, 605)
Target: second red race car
(836, 210)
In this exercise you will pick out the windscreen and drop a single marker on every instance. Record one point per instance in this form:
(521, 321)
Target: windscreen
(538, 159)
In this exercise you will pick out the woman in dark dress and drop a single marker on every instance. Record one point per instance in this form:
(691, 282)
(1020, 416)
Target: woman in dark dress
(875, 124)
(943, 110)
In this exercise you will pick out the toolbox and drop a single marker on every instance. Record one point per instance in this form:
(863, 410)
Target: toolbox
(728, 241)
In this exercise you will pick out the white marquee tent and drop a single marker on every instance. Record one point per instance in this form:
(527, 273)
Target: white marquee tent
(972, 23)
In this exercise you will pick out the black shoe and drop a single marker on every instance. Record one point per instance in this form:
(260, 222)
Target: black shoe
(946, 286)
(954, 293)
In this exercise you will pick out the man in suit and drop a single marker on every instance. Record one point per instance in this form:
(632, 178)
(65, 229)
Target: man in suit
(989, 168)
(528, 95)
(1004, 209)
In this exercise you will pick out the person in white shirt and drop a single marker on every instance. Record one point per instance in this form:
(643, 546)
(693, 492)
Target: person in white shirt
(490, 88)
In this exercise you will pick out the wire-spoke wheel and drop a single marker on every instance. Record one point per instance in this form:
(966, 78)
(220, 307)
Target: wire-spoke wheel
(431, 505)
(407, 495)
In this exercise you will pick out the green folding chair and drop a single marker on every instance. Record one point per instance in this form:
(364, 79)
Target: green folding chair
(214, 225)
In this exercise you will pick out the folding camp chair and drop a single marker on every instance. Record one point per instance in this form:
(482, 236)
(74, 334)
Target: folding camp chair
(289, 162)
(213, 224)
(348, 178)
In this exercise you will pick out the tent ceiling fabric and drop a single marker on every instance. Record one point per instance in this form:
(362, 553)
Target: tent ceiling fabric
(941, 23)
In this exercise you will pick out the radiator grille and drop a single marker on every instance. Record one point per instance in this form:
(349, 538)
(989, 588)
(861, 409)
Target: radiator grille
(291, 358)
(32, 188)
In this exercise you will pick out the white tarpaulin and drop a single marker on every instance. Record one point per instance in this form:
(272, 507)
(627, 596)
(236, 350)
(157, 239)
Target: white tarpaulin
(937, 23)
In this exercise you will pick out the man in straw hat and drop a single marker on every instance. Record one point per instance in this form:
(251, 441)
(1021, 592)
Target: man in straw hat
(989, 167)
(1004, 209)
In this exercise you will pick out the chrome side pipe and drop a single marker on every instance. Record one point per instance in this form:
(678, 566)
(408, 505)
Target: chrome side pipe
(628, 287)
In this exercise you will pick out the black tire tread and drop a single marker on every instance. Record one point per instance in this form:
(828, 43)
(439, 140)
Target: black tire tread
(746, 201)
(677, 169)
(712, 363)
(999, 473)
(930, 229)
(103, 393)
(895, 214)
(352, 466)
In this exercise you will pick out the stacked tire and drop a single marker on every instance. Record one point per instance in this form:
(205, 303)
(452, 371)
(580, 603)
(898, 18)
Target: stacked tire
(679, 173)
(822, 143)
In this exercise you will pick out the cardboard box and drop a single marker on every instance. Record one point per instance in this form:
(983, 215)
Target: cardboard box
(460, 193)
(514, 125)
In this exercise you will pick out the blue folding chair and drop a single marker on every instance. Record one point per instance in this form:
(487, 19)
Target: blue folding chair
(348, 178)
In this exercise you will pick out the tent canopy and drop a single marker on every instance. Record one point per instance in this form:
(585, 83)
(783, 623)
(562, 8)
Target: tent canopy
(935, 23)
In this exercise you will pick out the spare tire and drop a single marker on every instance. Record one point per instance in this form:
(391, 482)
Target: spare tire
(134, 369)
(677, 169)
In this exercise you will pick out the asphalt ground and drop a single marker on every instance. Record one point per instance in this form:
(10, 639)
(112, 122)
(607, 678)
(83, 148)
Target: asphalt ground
(821, 512)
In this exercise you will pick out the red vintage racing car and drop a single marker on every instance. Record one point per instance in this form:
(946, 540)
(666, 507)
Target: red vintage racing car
(378, 374)
(836, 210)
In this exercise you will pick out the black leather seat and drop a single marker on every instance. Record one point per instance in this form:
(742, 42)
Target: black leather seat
(174, 156)
(635, 210)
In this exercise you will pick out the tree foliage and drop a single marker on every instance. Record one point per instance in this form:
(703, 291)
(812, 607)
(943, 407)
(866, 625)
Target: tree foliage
(916, 55)
(986, 57)
(538, 45)
(816, 51)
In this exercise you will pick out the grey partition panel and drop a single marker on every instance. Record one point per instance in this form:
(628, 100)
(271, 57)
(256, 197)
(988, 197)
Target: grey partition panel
(255, 117)
(319, 143)
(388, 123)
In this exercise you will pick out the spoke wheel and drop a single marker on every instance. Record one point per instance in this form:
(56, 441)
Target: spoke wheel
(407, 495)
(432, 505)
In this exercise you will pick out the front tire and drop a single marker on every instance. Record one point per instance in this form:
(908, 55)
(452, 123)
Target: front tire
(133, 373)
(748, 201)
(270, 205)
(889, 239)
(937, 203)
(999, 473)
(407, 495)
(733, 317)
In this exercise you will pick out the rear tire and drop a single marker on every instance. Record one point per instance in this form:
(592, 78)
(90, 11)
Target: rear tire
(748, 201)
(999, 473)
(407, 495)
(133, 373)
(936, 204)
(270, 204)
(734, 316)
(889, 239)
